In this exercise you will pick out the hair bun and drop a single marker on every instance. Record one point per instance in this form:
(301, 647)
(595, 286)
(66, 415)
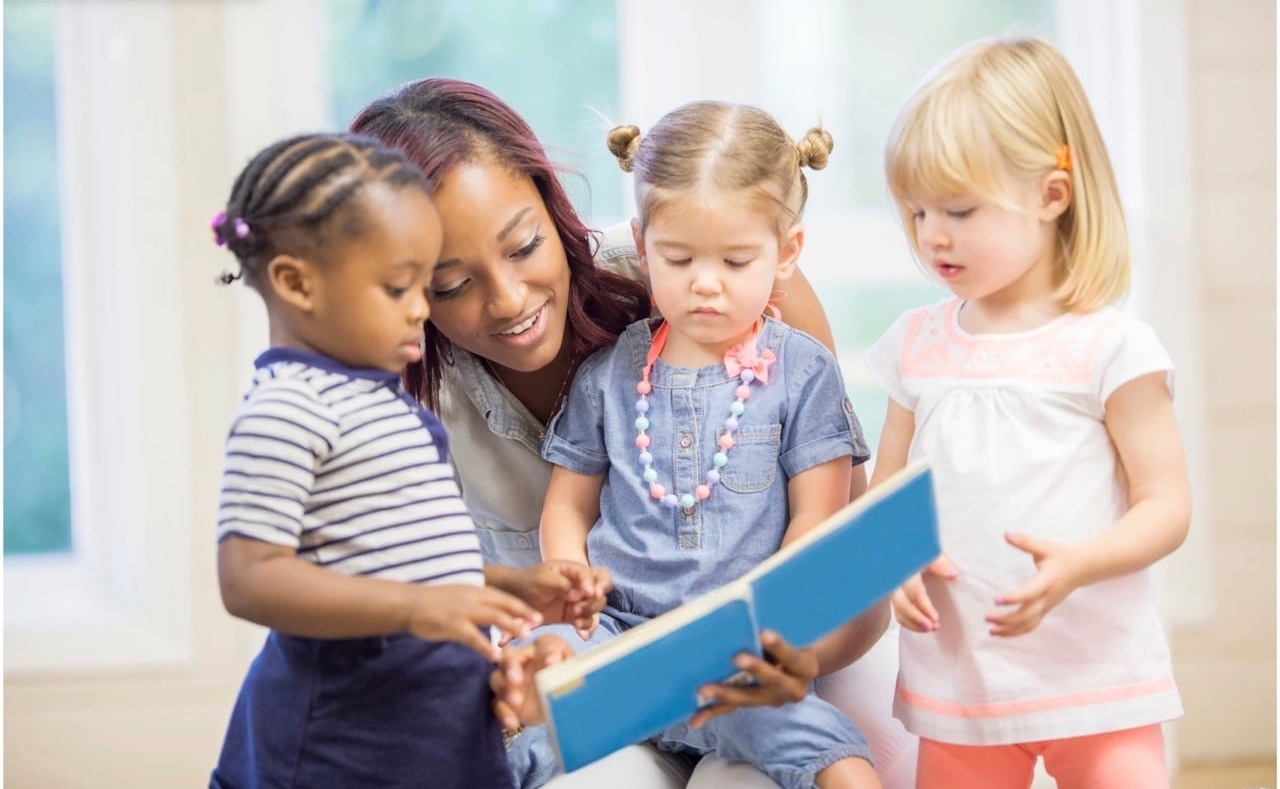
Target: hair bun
(815, 148)
(623, 142)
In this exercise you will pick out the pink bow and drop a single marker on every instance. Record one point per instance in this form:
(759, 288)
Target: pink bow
(743, 356)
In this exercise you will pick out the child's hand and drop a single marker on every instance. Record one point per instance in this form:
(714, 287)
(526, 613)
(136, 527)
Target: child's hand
(455, 612)
(911, 604)
(783, 678)
(568, 592)
(1057, 575)
(515, 700)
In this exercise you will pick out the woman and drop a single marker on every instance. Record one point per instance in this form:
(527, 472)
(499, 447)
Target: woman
(518, 301)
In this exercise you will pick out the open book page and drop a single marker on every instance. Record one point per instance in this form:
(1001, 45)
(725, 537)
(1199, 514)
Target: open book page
(850, 561)
(647, 679)
(647, 686)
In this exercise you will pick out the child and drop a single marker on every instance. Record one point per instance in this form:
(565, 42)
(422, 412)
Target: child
(701, 442)
(340, 525)
(1047, 415)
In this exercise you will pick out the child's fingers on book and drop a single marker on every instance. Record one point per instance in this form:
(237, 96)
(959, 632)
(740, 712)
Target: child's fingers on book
(702, 716)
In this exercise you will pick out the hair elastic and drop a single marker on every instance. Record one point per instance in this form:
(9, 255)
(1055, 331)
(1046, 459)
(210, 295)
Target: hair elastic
(219, 219)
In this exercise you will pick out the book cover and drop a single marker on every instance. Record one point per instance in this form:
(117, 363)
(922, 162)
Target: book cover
(647, 679)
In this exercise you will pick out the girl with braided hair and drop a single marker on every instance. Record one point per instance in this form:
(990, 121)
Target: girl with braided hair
(340, 525)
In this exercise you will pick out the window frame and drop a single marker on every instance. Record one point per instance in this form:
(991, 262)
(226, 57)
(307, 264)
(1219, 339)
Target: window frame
(121, 597)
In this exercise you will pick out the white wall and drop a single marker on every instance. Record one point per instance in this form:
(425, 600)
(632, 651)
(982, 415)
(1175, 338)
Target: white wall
(1227, 669)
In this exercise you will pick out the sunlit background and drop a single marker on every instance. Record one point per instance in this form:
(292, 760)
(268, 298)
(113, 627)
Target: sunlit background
(125, 122)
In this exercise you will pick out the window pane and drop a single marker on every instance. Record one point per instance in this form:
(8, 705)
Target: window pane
(554, 61)
(37, 504)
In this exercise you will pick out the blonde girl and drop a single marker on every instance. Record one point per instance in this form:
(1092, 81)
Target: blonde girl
(1047, 414)
(702, 441)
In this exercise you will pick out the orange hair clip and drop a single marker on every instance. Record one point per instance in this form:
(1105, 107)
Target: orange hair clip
(1064, 157)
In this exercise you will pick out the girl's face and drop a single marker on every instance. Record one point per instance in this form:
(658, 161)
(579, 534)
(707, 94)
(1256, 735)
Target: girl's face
(501, 289)
(366, 307)
(986, 252)
(712, 265)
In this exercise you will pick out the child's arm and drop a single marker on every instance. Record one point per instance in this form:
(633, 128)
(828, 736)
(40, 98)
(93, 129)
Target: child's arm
(1140, 420)
(267, 584)
(815, 494)
(570, 509)
(911, 604)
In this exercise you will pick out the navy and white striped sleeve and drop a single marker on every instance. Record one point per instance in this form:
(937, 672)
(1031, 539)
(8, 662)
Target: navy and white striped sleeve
(275, 446)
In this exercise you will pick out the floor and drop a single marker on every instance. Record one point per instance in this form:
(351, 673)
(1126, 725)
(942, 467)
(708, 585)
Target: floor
(1226, 776)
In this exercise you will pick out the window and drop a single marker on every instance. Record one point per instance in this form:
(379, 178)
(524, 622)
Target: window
(554, 61)
(37, 501)
(105, 596)
(846, 65)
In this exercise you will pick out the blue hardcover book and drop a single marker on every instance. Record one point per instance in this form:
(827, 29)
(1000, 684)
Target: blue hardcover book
(647, 679)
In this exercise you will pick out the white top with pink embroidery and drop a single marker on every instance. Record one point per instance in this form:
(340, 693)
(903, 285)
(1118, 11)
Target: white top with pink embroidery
(1013, 427)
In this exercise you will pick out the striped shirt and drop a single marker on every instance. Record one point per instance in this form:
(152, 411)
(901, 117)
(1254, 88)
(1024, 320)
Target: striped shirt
(345, 467)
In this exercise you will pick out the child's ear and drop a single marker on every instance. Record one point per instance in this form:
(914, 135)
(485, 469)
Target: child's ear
(292, 280)
(638, 235)
(1055, 195)
(789, 252)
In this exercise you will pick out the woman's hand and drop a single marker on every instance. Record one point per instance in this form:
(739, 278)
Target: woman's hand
(569, 592)
(782, 679)
(515, 699)
(911, 604)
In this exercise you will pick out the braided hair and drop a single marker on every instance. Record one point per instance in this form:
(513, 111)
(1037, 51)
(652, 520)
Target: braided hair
(297, 197)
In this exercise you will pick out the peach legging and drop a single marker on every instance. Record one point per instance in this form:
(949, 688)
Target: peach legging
(1129, 759)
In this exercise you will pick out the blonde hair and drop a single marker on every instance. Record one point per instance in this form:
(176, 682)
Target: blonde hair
(730, 147)
(1003, 109)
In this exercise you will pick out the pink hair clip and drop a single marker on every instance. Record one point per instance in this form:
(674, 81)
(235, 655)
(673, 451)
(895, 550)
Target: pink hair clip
(242, 228)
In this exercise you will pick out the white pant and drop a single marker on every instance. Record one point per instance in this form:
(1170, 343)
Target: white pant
(864, 691)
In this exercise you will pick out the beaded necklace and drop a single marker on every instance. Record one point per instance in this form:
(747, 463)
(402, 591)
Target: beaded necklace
(740, 361)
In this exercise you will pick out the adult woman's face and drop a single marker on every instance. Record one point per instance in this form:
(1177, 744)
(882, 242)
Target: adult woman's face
(501, 288)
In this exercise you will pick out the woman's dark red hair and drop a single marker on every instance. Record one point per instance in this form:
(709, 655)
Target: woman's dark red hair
(440, 123)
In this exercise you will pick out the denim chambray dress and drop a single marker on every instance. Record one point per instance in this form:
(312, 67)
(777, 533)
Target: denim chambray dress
(661, 557)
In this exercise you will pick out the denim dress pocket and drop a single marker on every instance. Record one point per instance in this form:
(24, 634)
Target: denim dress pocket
(753, 460)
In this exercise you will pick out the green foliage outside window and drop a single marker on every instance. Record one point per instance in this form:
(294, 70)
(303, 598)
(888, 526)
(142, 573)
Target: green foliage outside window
(37, 496)
(554, 61)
